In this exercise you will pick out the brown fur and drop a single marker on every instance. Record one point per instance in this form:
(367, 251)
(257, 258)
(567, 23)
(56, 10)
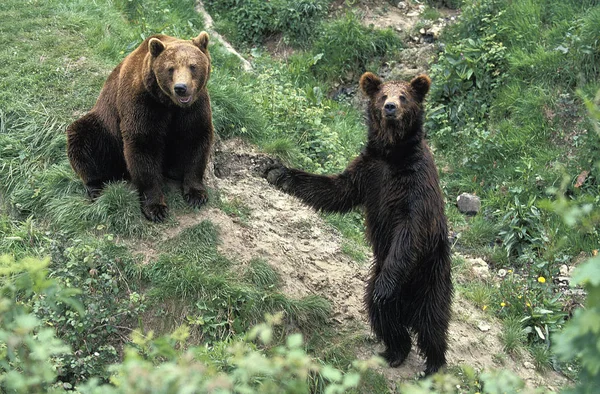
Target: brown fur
(152, 118)
(396, 181)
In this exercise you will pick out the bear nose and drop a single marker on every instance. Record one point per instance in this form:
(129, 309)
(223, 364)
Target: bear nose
(390, 108)
(180, 89)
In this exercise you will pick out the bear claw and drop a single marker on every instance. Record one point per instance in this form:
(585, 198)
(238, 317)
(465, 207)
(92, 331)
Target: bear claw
(196, 197)
(394, 359)
(155, 212)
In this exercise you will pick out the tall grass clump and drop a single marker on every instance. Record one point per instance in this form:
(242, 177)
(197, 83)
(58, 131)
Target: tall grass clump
(251, 22)
(345, 48)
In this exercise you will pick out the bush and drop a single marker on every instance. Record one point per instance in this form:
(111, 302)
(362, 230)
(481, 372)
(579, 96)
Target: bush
(30, 351)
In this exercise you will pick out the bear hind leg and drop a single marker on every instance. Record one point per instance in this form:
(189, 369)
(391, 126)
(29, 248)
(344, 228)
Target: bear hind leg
(95, 155)
(432, 340)
(391, 330)
(397, 345)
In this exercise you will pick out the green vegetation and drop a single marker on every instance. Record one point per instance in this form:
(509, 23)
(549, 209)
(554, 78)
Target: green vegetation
(508, 116)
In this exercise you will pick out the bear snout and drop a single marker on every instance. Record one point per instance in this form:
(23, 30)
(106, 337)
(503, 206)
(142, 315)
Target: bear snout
(390, 109)
(180, 89)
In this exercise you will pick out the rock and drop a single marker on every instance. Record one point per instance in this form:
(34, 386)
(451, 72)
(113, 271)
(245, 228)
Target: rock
(528, 365)
(402, 5)
(564, 270)
(435, 31)
(422, 31)
(479, 268)
(413, 14)
(502, 272)
(468, 204)
(483, 326)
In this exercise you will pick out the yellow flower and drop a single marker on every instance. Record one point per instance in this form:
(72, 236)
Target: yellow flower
(503, 304)
(510, 271)
(541, 279)
(484, 307)
(519, 296)
(528, 304)
(595, 252)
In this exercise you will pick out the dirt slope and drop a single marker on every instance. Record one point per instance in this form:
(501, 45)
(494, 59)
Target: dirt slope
(307, 253)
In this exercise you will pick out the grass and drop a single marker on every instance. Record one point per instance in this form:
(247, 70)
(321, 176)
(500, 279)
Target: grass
(512, 337)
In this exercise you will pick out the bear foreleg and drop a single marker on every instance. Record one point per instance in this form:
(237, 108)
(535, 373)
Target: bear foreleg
(328, 193)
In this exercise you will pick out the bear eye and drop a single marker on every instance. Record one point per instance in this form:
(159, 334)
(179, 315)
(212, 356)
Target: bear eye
(192, 68)
(171, 70)
(402, 98)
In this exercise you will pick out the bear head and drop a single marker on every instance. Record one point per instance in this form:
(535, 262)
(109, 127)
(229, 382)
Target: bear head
(395, 108)
(181, 67)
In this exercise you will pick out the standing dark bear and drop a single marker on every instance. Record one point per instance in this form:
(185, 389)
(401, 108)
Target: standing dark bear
(152, 118)
(396, 181)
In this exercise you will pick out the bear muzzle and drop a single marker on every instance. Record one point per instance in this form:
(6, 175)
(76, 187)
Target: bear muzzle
(181, 93)
(389, 109)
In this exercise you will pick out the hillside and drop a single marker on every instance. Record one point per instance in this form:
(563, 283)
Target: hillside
(89, 285)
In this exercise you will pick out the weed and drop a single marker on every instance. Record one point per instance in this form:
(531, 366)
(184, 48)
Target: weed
(259, 273)
(480, 232)
(480, 294)
(542, 357)
(236, 208)
(512, 336)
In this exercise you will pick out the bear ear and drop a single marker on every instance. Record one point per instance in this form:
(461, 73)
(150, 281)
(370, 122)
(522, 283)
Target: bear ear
(420, 85)
(201, 41)
(370, 83)
(155, 46)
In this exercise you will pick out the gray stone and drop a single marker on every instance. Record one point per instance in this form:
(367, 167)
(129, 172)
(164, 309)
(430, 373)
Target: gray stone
(469, 204)
(479, 268)
(402, 5)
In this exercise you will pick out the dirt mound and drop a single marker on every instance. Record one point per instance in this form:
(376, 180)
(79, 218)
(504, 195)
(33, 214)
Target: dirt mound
(306, 252)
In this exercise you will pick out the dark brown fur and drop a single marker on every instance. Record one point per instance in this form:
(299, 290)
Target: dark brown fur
(396, 181)
(152, 118)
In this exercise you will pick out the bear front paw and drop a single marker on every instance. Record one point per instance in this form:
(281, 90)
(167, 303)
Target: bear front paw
(195, 197)
(276, 174)
(155, 212)
(383, 291)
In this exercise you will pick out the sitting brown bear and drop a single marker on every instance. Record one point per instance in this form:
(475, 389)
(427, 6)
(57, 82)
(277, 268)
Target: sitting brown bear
(396, 181)
(152, 118)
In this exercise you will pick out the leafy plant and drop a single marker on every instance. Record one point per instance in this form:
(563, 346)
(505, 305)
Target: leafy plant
(522, 227)
(30, 351)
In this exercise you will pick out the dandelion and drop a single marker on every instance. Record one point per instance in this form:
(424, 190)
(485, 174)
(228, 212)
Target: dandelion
(503, 304)
(541, 279)
(519, 296)
(528, 304)
(484, 307)
(510, 271)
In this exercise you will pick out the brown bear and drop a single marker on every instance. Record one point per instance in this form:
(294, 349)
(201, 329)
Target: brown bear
(396, 181)
(152, 119)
